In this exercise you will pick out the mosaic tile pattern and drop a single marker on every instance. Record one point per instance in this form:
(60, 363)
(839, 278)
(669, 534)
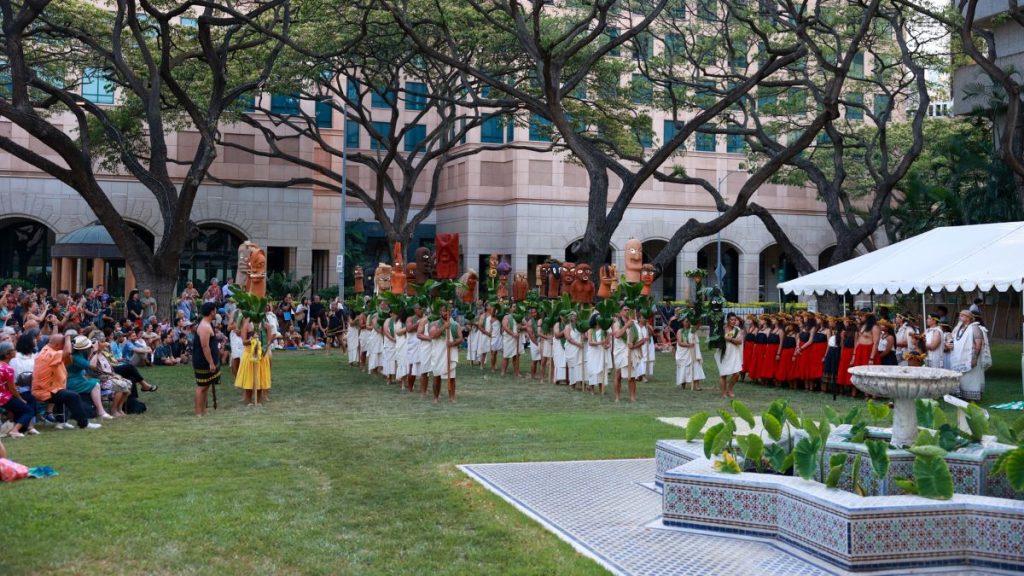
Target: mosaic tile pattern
(599, 507)
(810, 525)
(929, 535)
(748, 509)
(669, 454)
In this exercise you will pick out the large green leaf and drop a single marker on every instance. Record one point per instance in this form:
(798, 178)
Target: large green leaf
(772, 426)
(724, 438)
(709, 438)
(1004, 433)
(805, 457)
(858, 489)
(878, 451)
(853, 416)
(725, 416)
(977, 421)
(776, 456)
(858, 432)
(932, 477)
(925, 415)
(835, 469)
(792, 417)
(927, 451)
(694, 425)
(1014, 466)
(743, 412)
(908, 485)
(877, 411)
(754, 449)
(949, 438)
(832, 415)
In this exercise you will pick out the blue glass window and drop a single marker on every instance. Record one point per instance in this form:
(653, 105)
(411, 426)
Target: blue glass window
(705, 142)
(383, 99)
(284, 104)
(414, 135)
(415, 96)
(854, 112)
(384, 129)
(96, 88)
(324, 114)
(491, 131)
(351, 134)
(539, 128)
(735, 144)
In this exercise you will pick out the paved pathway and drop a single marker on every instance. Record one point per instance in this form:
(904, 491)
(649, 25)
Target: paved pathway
(602, 510)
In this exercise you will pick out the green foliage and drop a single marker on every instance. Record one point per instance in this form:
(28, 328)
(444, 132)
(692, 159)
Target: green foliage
(326, 294)
(805, 457)
(280, 284)
(835, 469)
(724, 438)
(878, 451)
(1012, 464)
(18, 282)
(772, 426)
(858, 432)
(977, 421)
(694, 425)
(709, 438)
(878, 412)
(728, 464)
(858, 488)
(931, 475)
(929, 414)
(743, 412)
(778, 458)
(753, 449)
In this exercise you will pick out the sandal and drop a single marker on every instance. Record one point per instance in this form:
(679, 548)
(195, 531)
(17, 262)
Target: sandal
(152, 388)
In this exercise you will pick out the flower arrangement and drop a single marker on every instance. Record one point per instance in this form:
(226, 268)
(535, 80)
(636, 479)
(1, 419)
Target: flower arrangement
(915, 358)
(697, 274)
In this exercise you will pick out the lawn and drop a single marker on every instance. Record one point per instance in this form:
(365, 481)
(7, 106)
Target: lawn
(339, 474)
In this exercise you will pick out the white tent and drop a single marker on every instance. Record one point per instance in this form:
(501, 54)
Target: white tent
(982, 257)
(979, 257)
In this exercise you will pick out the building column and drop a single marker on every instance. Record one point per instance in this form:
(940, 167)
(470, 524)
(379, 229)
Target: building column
(129, 279)
(67, 273)
(98, 269)
(54, 276)
(748, 281)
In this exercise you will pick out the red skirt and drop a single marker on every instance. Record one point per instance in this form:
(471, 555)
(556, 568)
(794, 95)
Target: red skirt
(765, 362)
(813, 361)
(750, 351)
(843, 375)
(784, 372)
(862, 355)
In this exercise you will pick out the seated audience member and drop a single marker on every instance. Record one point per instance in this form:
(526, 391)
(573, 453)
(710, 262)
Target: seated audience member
(49, 382)
(79, 375)
(142, 352)
(164, 354)
(292, 338)
(109, 380)
(182, 348)
(20, 411)
(118, 346)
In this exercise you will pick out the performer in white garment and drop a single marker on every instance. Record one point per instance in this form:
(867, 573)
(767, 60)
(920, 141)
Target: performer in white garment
(597, 349)
(401, 347)
(573, 352)
(558, 352)
(689, 362)
(934, 341)
(968, 343)
(353, 343)
(904, 332)
(730, 362)
(510, 344)
(389, 362)
(423, 366)
(412, 351)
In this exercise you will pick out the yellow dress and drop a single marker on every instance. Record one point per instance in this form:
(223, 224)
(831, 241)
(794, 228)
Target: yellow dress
(254, 368)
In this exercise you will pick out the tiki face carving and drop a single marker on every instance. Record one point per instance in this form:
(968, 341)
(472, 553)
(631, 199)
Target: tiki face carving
(382, 279)
(634, 259)
(568, 277)
(469, 296)
(519, 287)
(584, 273)
(583, 287)
(422, 271)
(647, 278)
(398, 278)
(447, 256)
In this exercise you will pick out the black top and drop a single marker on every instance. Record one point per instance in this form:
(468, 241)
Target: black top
(820, 337)
(773, 338)
(789, 342)
(750, 337)
(804, 337)
(198, 358)
(760, 338)
(848, 342)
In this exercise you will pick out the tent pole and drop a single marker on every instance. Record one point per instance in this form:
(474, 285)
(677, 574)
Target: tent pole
(924, 313)
(844, 305)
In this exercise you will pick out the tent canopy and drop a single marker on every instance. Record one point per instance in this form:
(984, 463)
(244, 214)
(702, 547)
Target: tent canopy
(982, 256)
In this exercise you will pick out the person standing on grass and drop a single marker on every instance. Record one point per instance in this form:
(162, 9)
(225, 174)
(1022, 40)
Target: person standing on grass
(204, 358)
(510, 344)
(730, 359)
(446, 337)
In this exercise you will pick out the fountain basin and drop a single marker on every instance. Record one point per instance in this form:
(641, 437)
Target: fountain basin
(904, 385)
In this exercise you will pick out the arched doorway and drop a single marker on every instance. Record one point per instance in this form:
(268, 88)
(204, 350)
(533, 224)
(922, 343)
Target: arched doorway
(825, 257)
(26, 253)
(707, 259)
(665, 285)
(773, 268)
(212, 253)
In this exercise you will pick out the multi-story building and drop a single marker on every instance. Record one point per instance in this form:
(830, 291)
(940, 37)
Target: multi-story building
(526, 205)
(972, 88)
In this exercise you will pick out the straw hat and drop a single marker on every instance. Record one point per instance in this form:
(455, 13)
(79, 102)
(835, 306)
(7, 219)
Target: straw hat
(82, 343)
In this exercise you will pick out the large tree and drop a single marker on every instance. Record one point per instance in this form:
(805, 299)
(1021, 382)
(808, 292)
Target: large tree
(578, 53)
(168, 74)
(856, 163)
(406, 117)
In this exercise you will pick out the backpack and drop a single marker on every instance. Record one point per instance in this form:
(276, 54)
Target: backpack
(986, 351)
(134, 406)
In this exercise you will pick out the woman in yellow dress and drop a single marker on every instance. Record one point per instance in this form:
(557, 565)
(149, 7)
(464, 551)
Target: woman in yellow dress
(254, 368)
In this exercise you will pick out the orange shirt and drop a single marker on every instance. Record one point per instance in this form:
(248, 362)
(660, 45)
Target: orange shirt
(50, 375)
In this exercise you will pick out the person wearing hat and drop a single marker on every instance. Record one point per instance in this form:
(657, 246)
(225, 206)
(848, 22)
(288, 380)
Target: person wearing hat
(10, 399)
(904, 333)
(50, 377)
(78, 382)
(968, 343)
(120, 387)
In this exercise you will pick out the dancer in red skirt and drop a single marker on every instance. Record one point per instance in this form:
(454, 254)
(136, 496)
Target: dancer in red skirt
(750, 336)
(772, 347)
(849, 340)
(786, 367)
(868, 335)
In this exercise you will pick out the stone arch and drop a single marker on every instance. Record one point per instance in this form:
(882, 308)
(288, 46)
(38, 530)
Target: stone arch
(773, 267)
(707, 258)
(213, 253)
(28, 240)
(232, 227)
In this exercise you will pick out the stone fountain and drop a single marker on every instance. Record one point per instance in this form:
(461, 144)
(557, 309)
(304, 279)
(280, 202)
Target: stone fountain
(904, 385)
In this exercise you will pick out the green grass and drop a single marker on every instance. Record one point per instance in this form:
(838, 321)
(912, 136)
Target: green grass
(339, 474)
